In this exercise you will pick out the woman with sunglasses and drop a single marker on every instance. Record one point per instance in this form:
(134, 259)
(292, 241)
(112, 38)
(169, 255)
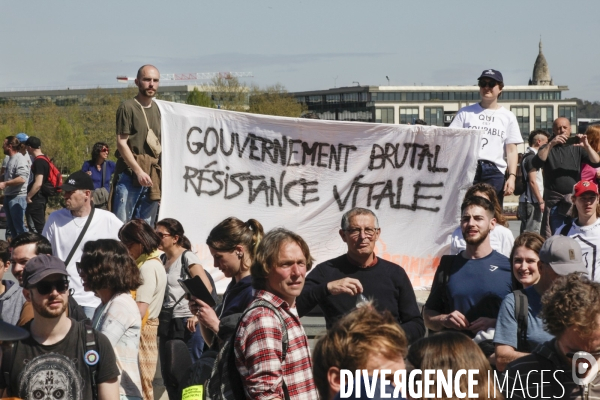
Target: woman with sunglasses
(142, 243)
(501, 135)
(107, 269)
(179, 261)
(100, 168)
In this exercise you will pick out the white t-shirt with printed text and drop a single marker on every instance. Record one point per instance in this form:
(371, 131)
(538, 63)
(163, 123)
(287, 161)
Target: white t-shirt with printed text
(500, 126)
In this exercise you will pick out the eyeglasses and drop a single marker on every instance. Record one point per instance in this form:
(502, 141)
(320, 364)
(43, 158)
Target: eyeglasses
(355, 232)
(104, 149)
(163, 235)
(489, 84)
(46, 287)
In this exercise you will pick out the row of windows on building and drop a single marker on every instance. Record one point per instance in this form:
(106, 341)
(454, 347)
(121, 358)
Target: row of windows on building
(424, 96)
(542, 119)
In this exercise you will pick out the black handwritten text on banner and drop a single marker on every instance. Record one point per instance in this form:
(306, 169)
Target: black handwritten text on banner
(304, 174)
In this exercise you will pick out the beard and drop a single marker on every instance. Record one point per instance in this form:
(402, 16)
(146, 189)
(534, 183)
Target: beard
(476, 240)
(149, 93)
(46, 312)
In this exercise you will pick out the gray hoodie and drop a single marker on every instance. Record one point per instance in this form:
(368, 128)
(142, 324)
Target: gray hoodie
(11, 302)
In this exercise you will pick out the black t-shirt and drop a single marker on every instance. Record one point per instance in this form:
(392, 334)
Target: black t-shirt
(39, 167)
(59, 370)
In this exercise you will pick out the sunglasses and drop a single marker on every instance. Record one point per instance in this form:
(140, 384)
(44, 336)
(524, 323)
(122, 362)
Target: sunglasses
(488, 84)
(46, 287)
(163, 235)
(104, 149)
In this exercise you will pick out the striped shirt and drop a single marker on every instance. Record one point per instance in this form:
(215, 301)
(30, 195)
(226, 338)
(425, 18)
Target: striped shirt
(525, 379)
(258, 352)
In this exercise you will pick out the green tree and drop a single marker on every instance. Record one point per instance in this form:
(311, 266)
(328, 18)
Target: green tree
(228, 93)
(199, 98)
(274, 100)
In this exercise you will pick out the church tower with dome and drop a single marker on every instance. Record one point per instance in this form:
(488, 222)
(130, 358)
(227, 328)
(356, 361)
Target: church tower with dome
(541, 72)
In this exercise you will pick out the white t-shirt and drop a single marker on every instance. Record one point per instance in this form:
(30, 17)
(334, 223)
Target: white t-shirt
(501, 240)
(62, 230)
(500, 126)
(527, 196)
(588, 238)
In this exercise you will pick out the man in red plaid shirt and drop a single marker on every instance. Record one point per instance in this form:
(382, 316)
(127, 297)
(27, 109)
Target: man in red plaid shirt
(278, 272)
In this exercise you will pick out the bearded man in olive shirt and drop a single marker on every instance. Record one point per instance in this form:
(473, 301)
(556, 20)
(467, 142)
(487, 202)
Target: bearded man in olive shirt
(137, 190)
(335, 284)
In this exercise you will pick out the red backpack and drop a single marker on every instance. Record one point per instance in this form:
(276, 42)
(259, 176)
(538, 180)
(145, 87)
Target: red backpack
(54, 178)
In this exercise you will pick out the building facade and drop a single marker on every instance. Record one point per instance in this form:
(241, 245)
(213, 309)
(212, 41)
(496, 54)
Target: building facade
(535, 105)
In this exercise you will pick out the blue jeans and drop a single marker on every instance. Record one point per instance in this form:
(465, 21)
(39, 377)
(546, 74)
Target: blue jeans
(14, 207)
(133, 201)
(487, 172)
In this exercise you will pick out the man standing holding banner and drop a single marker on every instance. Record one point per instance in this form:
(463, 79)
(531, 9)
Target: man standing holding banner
(137, 173)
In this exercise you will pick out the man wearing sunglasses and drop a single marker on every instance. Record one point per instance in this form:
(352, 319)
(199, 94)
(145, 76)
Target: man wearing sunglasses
(56, 361)
(501, 134)
(567, 366)
(340, 284)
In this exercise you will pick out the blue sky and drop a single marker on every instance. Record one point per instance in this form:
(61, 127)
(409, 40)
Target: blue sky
(302, 44)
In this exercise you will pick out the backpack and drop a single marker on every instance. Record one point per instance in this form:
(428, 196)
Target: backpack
(54, 178)
(89, 339)
(521, 313)
(225, 382)
(521, 175)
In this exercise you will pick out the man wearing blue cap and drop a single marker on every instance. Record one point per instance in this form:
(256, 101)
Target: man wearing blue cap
(501, 134)
(14, 185)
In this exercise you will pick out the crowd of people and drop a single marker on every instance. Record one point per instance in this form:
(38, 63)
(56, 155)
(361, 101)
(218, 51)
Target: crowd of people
(100, 302)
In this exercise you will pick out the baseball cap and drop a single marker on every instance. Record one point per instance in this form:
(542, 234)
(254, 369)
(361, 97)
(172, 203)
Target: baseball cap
(40, 267)
(492, 74)
(78, 180)
(9, 333)
(22, 137)
(34, 142)
(584, 186)
(563, 254)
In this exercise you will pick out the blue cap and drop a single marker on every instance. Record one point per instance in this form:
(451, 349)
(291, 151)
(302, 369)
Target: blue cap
(492, 74)
(22, 137)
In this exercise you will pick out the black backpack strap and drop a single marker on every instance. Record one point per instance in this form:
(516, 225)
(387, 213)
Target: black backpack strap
(8, 357)
(565, 230)
(91, 356)
(103, 174)
(185, 269)
(80, 237)
(521, 313)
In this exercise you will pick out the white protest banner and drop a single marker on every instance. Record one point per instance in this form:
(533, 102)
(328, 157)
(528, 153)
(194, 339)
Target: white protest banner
(303, 174)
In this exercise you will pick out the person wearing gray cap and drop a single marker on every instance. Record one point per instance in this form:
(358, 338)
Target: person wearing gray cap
(62, 355)
(566, 366)
(559, 256)
(501, 134)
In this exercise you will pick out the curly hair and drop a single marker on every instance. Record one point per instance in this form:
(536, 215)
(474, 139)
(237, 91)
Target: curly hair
(267, 255)
(108, 265)
(232, 232)
(361, 334)
(571, 301)
(453, 351)
(593, 134)
(490, 192)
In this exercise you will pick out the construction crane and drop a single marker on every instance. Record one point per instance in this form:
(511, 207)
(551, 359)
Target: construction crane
(193, 76)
